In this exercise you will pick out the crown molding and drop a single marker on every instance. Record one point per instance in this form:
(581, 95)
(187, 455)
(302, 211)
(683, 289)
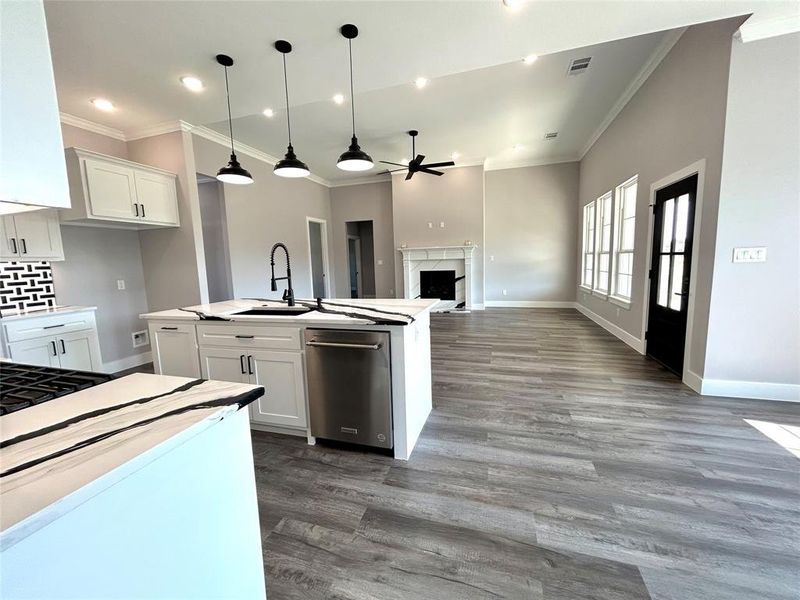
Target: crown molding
(362, 181)
(759, 29)
(158, 129)
(670, 39)
(68, 119)
(503, 165)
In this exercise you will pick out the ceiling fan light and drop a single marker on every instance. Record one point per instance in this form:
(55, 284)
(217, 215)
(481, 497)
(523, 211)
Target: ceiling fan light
(355, 159)
(234, 173)
(291, 166)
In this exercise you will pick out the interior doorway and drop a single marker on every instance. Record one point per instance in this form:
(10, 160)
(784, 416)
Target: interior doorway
(670, 272)
(317, 230)
(215, 239)
(360, 258)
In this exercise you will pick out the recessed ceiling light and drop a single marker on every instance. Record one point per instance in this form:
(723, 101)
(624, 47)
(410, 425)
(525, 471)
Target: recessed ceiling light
(192, 83)
(420, 82)
(338, 99)
(455, 156)
(530, 59)
(518, 147)
(268, 112)
(103, 104)
(513, 5)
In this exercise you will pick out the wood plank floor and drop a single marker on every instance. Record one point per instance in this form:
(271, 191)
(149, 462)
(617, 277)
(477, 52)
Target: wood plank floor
(557, 464)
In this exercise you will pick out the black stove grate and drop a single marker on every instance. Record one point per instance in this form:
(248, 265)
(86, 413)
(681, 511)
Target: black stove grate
(22, 386)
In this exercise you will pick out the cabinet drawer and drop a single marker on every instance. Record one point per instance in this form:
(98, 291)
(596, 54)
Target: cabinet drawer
(27, 329)
(249, 336)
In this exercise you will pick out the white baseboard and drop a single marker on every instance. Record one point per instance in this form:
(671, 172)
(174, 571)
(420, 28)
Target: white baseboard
(477, 307)
(632, 341)
(694, 381)
(529, 304)
(758, 390)
(128, 362)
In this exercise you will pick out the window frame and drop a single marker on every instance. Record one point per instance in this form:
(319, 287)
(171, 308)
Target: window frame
(604, 206)
(620, 197)
(587, 246)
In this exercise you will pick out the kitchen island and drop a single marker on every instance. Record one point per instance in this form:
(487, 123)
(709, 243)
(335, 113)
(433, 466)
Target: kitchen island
(261, 341)
(141, 487)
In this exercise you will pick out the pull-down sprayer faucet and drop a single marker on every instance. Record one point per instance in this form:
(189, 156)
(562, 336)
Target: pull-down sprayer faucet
(288, 294)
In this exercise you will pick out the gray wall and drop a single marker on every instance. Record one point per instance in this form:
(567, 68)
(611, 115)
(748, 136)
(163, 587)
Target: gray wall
(456, 198)
(272, 209)
(366, 202)
(95, 258)
(676, 118)
(215, 241)
(754, 326)
(532, 232)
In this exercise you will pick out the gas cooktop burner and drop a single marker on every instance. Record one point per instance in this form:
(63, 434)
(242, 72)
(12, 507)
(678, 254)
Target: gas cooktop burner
(22, 386)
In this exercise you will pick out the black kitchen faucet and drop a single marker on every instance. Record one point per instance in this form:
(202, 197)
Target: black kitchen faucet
(288, 294)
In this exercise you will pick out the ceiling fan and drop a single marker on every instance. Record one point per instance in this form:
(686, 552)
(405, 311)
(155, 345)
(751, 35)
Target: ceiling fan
(416, 163)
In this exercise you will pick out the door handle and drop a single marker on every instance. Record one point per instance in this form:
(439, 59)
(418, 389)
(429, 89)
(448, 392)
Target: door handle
(55, 352)
(136, 209)
(341, 345)
(241, 364)
(14, 245)
(63, 347)
(143, 213)
(24, 246)
(249, 364)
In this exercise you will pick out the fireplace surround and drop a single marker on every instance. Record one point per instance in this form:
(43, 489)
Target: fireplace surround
(457, 259)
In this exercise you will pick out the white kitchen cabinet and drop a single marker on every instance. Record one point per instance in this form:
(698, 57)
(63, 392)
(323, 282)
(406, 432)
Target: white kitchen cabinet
(39, 351)
(114, 192)
(283, 402)
(30, 236)
(174, 349)
(224, 364)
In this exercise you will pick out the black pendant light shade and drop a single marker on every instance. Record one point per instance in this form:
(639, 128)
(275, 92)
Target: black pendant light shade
(290, 165)
(354, 158)
(233, 172)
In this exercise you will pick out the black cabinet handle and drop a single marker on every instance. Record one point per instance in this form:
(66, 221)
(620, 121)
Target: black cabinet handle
(245, 337)
(143, 213)
(63, 347)
(55, 352)
(53, 326)
(170, 328)
(249, 364)
(241, 363)
(24, 246)
(14, 244)
(136, 209)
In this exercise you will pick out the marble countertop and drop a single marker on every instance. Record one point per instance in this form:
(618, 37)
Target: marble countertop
(15, 315)
(57, 454)
(365, 311)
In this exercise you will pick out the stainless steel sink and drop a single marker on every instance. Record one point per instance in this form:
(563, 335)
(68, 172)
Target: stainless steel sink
(269, 311)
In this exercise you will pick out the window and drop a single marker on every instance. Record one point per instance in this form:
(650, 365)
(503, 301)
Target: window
(587, 276)
(603, 243)
(625, 225)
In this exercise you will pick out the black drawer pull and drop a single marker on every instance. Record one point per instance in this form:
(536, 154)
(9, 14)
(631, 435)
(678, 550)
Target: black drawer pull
(245, 337)
(170, 328)
(53, 326)
(14, 243)
(136, 209)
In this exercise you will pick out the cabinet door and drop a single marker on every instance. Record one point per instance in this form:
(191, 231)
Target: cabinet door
(224, 364)
(157, 197)
(38, 351)
(283, 402)
(9, 245)
(75, 350)
(39, 235)
(175, 349)
(112, 189)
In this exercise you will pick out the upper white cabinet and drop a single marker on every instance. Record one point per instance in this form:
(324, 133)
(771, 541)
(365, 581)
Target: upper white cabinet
(119, 193)
(31, 148)
(29, 236)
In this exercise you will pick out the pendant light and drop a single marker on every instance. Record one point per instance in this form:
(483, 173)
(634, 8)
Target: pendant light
(354, 159)
(290, 165)
(233, 172)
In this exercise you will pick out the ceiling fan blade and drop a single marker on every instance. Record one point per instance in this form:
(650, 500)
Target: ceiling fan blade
(448, 163)
(410, 175)
(419, 159)
(386, 162)
(431, 171)
(390, 171)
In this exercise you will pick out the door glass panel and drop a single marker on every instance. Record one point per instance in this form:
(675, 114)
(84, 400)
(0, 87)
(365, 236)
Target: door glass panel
(681, 223)
(666, 227)
(663, 280)
(676, 297)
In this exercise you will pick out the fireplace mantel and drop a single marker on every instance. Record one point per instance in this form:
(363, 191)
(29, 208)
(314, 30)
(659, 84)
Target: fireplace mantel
(438, 258)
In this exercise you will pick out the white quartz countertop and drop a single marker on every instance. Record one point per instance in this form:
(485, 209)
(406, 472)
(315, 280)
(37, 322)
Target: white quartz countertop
(14, 315)
(344, 311)
(57, 454)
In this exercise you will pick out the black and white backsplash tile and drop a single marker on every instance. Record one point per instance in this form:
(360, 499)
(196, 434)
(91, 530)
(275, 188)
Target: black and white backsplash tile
(26, 286)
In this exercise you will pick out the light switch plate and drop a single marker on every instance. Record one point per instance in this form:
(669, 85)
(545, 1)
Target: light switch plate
(750, 255)
(120, 284)
(380, 262)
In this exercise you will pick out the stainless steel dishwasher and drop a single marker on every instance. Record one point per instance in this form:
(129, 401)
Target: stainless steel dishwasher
(350, 386)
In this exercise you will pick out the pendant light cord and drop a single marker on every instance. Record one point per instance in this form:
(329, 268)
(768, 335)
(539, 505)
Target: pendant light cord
(352, 95)
(230, 120)
(286, 91)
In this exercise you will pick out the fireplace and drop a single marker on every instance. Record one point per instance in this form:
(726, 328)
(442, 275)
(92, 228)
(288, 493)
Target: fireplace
(437, 284)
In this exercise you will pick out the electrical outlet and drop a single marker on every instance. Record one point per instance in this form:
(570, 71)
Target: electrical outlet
(430, 224)
(505, 292)
(750, 255)
(391, 291)
(380, 262)
(120, 284)
(441, 224)
(491, 258)
(140, 338)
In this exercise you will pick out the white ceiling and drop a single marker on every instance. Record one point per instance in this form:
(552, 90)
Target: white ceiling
(481, 100)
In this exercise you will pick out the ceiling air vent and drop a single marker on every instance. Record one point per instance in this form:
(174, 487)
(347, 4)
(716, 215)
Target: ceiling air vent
(579, 65)
(551, 136)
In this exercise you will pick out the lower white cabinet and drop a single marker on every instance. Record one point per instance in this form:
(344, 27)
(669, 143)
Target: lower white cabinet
(224, 364)
(174, 349)
(74, 350)
(38, 351)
